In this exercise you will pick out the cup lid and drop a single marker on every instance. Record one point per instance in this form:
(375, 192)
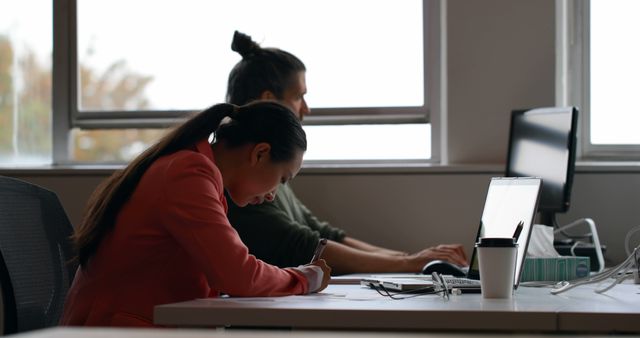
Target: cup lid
(497, 242)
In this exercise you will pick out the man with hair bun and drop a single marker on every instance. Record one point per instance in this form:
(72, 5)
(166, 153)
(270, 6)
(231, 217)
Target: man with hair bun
(285, 232)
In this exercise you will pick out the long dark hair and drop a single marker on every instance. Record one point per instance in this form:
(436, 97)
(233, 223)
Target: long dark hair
(261, 121)
(260, 69)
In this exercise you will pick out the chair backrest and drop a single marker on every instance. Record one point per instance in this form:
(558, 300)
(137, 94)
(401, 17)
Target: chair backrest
(35, 250)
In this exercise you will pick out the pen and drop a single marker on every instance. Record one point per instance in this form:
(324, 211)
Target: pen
(319, 248)
(516, 234)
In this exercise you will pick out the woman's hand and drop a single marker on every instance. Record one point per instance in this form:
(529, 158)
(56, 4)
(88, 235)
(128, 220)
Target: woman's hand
(326, 273)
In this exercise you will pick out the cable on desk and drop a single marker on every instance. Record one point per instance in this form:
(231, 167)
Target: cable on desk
(428, 290)
(627, 239)
(618, 272)
(440, 286)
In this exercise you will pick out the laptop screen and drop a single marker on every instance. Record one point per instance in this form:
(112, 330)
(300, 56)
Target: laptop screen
(509, 201)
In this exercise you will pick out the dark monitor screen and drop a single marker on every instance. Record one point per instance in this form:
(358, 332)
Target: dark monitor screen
(542, 143)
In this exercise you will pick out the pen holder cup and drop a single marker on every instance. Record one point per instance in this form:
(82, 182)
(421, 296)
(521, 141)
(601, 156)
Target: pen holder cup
(497, 260)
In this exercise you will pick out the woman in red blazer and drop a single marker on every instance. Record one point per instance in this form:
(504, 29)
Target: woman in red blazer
(157, 231)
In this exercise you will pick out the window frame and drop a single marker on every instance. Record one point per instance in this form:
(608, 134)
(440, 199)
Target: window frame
(67, 114)
(573, 80)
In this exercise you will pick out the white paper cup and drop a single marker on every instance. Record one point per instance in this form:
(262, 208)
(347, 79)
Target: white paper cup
(497, 260)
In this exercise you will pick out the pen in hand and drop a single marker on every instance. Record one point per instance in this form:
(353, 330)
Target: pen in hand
(319, 248)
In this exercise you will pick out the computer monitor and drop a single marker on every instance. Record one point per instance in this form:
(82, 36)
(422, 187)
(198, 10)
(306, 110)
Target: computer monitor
(542, 143)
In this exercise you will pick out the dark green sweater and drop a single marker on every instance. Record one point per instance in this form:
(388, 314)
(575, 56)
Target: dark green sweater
(282, 232)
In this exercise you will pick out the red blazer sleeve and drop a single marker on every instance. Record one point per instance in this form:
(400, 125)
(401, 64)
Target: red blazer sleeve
(194, 212)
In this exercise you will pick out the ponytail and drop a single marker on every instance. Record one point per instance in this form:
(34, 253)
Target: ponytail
(105, 203)
(261, 121)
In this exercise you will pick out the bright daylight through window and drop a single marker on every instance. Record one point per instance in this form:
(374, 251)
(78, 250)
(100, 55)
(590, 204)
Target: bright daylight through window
(25, 82)
(132, 68)
(614, 71)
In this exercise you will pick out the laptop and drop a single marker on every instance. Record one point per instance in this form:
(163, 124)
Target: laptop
(509, 201)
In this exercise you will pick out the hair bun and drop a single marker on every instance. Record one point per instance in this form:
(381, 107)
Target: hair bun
(243, 44)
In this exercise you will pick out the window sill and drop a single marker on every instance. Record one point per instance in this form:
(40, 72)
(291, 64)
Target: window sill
(340, 168)
(62, 170)
(399, 168)
(608, 167)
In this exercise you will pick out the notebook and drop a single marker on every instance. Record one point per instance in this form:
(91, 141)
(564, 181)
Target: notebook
(509, 201)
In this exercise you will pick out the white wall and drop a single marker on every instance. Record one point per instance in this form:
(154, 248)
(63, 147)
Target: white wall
(411, 211)
(500, 57)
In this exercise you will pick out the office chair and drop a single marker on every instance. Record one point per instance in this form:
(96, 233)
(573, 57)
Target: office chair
(35, 250)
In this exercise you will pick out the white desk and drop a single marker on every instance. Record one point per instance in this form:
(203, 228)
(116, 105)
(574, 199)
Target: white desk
(74, 332)
(618, 309)
(353, 307)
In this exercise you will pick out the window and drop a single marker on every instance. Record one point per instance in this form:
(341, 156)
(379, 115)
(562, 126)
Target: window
(25, 82)
(116, 87)
(181, 62)
(599, 64)
(366, 142)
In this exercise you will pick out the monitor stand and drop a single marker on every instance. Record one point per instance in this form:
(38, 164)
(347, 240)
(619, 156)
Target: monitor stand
(549, 218)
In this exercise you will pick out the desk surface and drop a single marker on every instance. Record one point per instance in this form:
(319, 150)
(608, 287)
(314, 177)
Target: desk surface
(76, 332)
(354, 307)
